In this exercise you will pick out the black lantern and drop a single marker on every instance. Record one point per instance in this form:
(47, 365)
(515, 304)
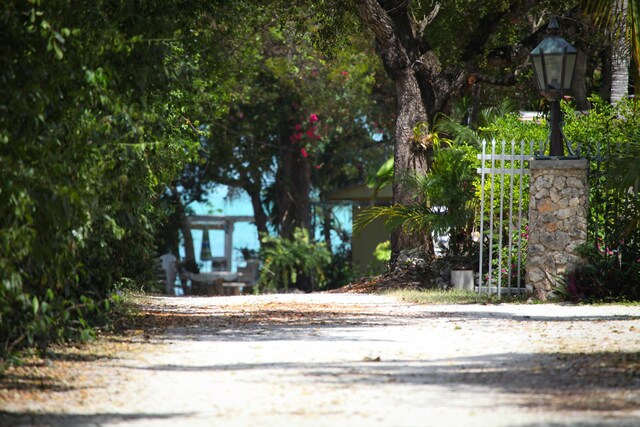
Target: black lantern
(554, 60)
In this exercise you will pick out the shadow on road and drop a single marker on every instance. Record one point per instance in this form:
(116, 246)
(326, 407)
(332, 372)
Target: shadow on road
(289, 321)
(76, 420)
(602, 381)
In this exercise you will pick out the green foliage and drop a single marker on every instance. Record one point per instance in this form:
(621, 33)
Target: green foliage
(510, 127)
(89, 135)
(286, 260)
(340, 271)
(609, 137)
(382, 178)
(306, 124)
(383, 251)
(382, 257)
(31, 321)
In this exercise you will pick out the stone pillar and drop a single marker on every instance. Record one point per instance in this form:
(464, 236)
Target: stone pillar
(558, 209)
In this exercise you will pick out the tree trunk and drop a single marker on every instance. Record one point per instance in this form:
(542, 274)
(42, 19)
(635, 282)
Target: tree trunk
(410, 114)
(259, 213)
(284, 197)
(327, 212)
(301, 183)
(301, 178)
(415, 71)
(189, 251)
(620, 54)
(474, 111)
(293, 185)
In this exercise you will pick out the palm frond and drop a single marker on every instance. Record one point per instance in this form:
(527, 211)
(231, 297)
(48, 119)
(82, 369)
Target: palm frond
(382, 178)
(366, 217)
(411, 217)
(491, 114)
(462, 134)
(613, 15)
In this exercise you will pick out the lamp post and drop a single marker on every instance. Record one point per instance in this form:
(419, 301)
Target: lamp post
(554, 60)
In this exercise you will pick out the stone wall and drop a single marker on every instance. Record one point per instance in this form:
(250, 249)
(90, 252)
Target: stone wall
(558, 208)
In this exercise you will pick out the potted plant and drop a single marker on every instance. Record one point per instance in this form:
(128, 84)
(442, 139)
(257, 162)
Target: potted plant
(462, 272)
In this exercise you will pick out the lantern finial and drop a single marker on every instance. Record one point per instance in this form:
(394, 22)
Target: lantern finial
(553, 27)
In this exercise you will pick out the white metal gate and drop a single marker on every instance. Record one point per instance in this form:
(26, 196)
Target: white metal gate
(503, 216)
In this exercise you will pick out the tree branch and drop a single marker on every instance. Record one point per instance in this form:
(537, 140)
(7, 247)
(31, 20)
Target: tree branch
(389, 46)
(488, 26)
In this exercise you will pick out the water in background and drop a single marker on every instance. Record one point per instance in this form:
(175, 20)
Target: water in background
(245, 235)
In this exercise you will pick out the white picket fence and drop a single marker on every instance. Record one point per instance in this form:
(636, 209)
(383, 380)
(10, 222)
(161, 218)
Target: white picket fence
(503, 228)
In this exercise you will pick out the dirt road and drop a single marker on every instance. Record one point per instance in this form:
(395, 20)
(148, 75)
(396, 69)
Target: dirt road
(345, 360)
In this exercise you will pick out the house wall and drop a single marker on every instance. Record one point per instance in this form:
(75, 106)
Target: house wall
(364, 243)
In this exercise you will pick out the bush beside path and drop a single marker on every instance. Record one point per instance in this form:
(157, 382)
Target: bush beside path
(340, 360)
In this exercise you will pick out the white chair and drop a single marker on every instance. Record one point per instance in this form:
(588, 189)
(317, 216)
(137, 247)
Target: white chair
(168, 264)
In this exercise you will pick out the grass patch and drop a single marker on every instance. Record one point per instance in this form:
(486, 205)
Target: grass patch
(622, 302)
(452, 296)
(458, 296)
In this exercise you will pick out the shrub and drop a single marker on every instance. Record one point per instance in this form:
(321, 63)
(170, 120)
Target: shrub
(289, 262)
(340, 271)
(606, 275)
(88, 139)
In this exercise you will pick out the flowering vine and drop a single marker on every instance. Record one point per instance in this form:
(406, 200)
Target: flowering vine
(306, 133)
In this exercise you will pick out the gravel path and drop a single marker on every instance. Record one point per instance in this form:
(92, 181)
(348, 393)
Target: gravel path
(355, 360)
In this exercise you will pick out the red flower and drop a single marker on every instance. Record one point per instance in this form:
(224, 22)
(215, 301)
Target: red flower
(298, 126)
(295, 137)
(313, 118)
(311, 131)
(304, 152)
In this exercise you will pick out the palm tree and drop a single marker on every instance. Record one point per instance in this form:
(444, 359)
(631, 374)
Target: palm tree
(622, 17)
(620, 55)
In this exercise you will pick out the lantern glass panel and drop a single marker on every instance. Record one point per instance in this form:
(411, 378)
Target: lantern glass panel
(539, 73)
(553, 63)
(568, 71)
